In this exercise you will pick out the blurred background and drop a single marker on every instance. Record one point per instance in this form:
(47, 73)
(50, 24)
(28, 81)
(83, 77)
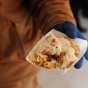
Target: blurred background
(80, 11)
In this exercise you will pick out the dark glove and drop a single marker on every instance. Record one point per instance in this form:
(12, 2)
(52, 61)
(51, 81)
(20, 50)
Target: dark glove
(72, 31)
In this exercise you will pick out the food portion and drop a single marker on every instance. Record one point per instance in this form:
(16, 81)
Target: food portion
(55, 52)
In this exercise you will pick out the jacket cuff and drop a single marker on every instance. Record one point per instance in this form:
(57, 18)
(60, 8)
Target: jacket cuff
(64, 25)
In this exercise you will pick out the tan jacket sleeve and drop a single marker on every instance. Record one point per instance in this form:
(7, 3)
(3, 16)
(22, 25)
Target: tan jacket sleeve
(46, 13)
(50, 12)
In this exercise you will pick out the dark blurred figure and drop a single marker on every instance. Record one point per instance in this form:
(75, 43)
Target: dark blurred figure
(78, 5)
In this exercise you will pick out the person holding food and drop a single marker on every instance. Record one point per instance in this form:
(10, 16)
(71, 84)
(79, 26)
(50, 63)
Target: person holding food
(22, 24)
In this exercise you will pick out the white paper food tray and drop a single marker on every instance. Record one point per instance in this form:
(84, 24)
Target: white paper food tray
(82, 45)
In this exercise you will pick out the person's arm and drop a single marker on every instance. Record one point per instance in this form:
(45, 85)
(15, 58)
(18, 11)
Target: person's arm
(48, 13)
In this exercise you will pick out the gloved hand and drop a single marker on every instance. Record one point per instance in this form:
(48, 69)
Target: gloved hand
(72, 31)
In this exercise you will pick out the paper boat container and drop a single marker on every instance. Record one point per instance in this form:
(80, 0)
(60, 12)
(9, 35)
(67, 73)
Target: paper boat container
(82, 44)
